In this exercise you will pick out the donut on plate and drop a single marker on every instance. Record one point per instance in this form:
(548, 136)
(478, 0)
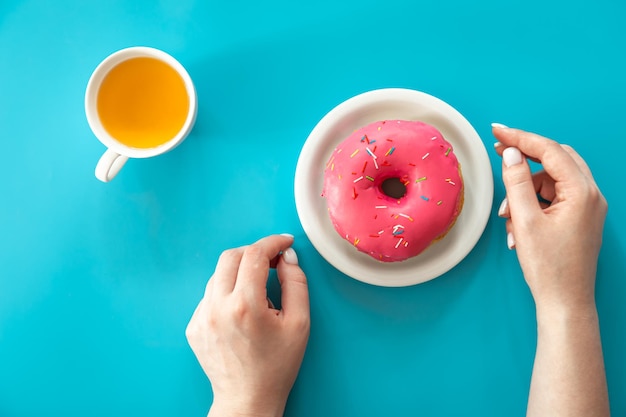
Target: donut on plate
(393, 188)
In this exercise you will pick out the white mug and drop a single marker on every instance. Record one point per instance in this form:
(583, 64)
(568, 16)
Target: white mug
(117, 152)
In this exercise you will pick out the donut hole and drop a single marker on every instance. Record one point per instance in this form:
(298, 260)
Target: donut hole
(393, 187)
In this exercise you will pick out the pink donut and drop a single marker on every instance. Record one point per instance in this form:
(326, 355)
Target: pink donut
(393, 188)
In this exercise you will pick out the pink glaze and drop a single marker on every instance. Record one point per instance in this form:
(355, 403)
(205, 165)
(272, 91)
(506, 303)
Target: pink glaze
(386, 228)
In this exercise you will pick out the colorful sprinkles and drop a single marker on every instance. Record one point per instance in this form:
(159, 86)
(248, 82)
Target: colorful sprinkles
(406, 216)
(366, 143)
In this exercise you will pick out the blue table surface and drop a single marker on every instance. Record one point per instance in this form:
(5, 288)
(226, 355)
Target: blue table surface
(98, 281)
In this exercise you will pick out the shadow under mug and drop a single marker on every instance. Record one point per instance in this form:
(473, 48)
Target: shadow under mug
(117, 153)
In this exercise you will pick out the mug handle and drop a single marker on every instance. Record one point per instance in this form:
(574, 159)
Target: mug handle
(109, 165)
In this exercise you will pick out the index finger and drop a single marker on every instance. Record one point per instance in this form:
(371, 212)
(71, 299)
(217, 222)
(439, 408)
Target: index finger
(255, 264)
(557, 162)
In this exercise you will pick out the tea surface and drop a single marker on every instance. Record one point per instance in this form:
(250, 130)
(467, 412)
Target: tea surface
(142, 102)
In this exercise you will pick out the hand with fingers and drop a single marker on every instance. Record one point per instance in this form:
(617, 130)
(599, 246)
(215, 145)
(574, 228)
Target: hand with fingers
(250, 351)
(557, 239)
(558, 242)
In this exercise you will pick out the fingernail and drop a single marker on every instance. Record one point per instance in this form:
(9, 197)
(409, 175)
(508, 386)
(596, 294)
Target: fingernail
(498, 145)
(510, 240)
(287, 235)
(511, 156)
(290, 257)
(499, 126)
(504, 207)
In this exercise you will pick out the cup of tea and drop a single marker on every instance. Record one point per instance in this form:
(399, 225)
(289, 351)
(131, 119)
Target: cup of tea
(140, 102)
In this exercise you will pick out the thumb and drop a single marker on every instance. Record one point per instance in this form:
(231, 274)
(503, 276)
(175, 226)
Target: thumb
(293, 285)
(518, 181)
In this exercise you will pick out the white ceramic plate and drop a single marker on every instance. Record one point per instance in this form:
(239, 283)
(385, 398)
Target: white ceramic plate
(393, 103)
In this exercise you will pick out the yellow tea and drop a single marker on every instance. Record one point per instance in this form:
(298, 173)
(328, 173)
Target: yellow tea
(143, 102)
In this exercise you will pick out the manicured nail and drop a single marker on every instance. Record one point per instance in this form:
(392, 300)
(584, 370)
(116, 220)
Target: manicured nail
(287, 235)
(290, 257)
(511, 156)
(510, 240)
(498, 145)
(499, 126)
(504, 207)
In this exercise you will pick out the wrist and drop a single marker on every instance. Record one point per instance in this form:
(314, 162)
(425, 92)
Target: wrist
(549, 314)
(560, 298)
(245, 407)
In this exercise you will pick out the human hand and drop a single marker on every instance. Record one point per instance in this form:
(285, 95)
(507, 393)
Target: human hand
(250, 351)
(557, 243)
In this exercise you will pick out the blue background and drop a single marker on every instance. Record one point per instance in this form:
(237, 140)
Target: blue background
(98, 281)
